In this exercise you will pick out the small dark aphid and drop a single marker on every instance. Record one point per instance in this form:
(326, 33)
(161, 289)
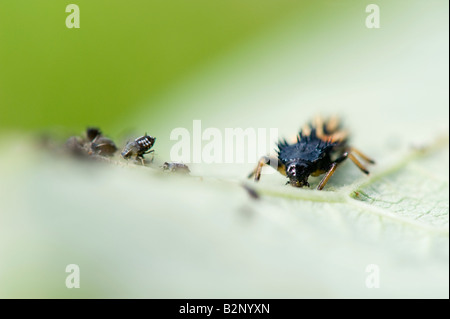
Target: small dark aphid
(93, 144)
(139, 147)
(98, 144)
(320, 147)
(92, 133)
(176, 167)
(103, 146)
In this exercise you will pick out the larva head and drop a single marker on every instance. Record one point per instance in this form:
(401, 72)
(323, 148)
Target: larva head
(298, 173)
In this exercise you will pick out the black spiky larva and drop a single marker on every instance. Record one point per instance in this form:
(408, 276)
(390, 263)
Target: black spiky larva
(139, 147)
(320, 147)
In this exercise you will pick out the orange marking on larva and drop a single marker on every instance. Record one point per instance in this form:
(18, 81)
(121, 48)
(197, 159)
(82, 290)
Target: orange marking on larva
(318, 124)
(306, 130)
(332, 124)
(339, 136)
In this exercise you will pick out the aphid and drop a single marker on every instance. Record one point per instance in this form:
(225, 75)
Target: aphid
(93, 144)
(103, 146)
(98, 144)
(92, 133)
(139, 147)
(320, 147)
(176, 167)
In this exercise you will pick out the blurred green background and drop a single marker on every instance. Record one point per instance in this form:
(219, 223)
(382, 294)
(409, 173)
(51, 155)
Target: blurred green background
(155, 65)
(125, 54)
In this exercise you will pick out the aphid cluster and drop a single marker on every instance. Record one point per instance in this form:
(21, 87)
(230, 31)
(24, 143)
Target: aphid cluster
(141, 146)
(319, 148)
(94, 144)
